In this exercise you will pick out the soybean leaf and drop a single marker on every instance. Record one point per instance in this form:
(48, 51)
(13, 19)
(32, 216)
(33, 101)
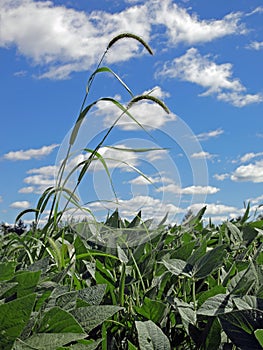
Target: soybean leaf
(85, 345)
(151, 309)
(217, 305)
(48, 341)
(259, 336)
(57, 320)
(243, 281)
(212, 260)
(202, 297)
(91, 316)
(7, 270)
(240, 327)
(212, 335)
(14, 316)
(151, 337)
(27, 282)
(5, 287)
(177, 267)
(92, 295)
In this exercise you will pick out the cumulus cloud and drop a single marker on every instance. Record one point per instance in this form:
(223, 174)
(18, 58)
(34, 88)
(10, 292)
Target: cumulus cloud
(151, 207)
(146, 113)
(215, 209)
(33, 153)
(250, 172)
(28, 189)
(210, 134)
(221, 177)
(141, 180)
(40, 179)
(184, 27)
(248, 156)
(65, 40)
(217, 79)
(255, 45)
(1, 199)
(192, 190)
(202, 155)
(20, 205)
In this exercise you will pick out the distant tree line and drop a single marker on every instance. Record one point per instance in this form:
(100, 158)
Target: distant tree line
(19, 228)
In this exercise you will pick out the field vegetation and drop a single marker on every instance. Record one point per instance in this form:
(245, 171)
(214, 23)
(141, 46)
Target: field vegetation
(184, 286)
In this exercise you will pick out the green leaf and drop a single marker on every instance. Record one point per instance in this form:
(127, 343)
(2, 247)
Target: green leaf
(57, 320)
(108, 70)
(177, 267)
(48, 341)
(243, 281)
(213, 336)
(151, 309)
(248, 302)
(122, 255)
(13, 318)
(208, 263)
(184, 251)
(217, 305)
(6, 286)
(7, 270)
(202, 297)
(92, 295)
(131, 346)
(27, 282)
(86, 345)
(188, 315)
(259, 335)
(92, 316)
(151, 337)
(67, 301)
(236, 236)
(240, 326)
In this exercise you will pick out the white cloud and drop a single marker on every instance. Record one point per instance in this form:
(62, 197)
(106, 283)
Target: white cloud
(20, 205)
(250, 172)
(221, 177)
(216, 79)
(202, 155)
(141, 180)
(42, 178)
(210, 134)
(188, 28)
(148, 114)
(151, 207)
(1, 199)
(193, 190)
(255, 45)
(28, 189)
(215, 209)
(240, 100)
(248, 156)
(157, 154)
(256, 200)
(36, 153)
(65, 40)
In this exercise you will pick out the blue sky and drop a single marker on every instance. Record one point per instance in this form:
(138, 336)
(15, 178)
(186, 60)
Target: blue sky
(206, 67)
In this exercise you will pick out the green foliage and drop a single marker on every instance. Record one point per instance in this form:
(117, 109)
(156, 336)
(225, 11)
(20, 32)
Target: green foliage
(149, 296)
